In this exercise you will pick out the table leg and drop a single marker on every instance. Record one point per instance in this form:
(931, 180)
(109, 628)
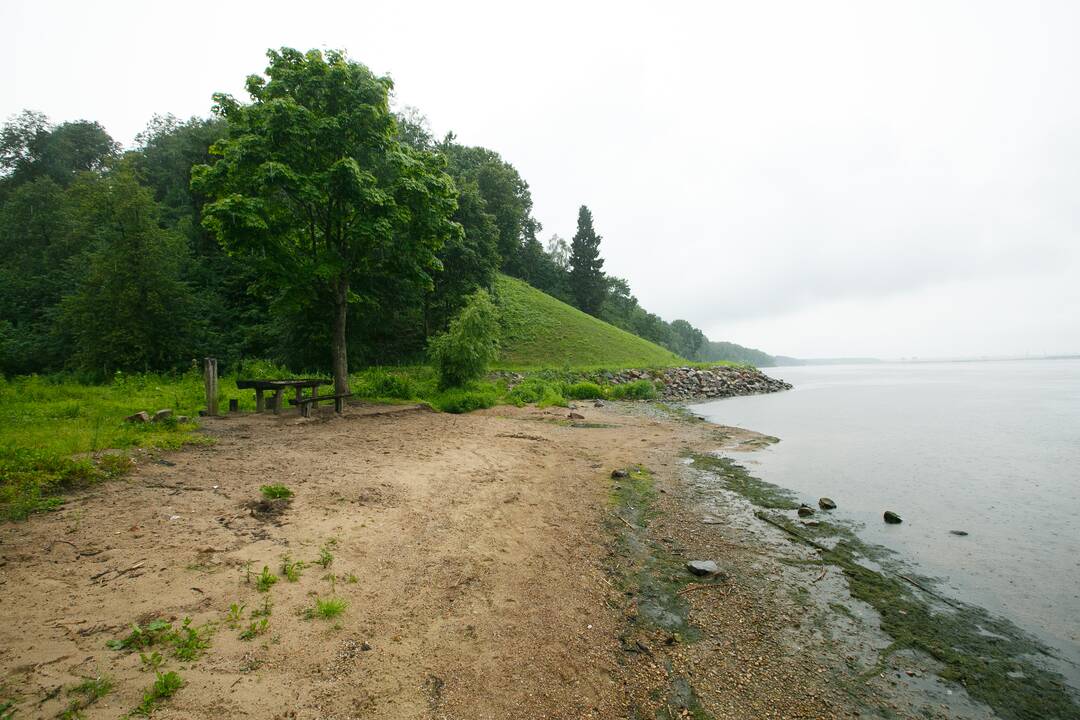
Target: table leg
(259, 405)
(277, 400)
(315, 393)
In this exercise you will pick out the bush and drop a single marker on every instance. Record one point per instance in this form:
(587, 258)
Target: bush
(584, 391)
(382, 384)
(536, 390)
(463, 352)
(637, 390)
(463, 400)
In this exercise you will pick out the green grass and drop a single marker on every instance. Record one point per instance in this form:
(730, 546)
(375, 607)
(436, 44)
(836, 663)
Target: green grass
(540, 331)
(328, 608)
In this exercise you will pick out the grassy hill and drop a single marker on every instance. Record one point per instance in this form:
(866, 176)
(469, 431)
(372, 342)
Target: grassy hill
(539, 330)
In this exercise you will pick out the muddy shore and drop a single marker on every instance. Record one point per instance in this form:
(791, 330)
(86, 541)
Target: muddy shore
(489, 566)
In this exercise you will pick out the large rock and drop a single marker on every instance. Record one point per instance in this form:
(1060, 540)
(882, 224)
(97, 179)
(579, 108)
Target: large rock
(162, 415)
(892, 518)
(805, 511)
(826, 503)
(702, 567)
(140, 417)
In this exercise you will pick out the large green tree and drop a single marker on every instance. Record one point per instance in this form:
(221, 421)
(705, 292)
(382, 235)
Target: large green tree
(586, 266)
(314, 188)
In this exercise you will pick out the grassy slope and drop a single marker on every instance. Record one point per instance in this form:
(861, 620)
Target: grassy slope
(539, 331)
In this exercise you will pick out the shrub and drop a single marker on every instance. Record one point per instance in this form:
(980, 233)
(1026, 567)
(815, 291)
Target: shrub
(276, 492)
(382, 384)
(637, 390)
(463, 352)
(462, 400)
(583, 391)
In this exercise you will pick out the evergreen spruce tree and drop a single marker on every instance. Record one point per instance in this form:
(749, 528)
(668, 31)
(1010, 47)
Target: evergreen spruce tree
(587, 284)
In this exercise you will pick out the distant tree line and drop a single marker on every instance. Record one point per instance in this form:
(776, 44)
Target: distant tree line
(116, 259)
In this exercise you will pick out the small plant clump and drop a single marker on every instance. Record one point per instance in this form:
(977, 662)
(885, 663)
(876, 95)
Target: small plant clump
(328, 608)
(153, 661)
(265, 580)
(89, 691)
(164, 687)
(325, 557)
(255, 629)
(234, 613)
(291, 569)
(276, 492)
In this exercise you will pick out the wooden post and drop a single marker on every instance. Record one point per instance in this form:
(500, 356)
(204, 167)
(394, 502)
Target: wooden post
(277, 400)
(315, 394)
(259, 406)
(210, 378)
(234, 405)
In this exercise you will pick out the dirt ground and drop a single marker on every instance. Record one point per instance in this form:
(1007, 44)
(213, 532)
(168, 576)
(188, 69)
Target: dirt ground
(475, 554)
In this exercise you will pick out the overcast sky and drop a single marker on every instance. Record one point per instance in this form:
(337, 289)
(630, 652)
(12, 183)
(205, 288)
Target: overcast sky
(817, 179)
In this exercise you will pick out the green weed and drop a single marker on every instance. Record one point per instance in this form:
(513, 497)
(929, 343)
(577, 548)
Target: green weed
(234, 613)
(188, 642)
(291, 569)
(275, 492)
(165, 686)
(255, 629)
(153, 661)
(265, 580)
(325, 557)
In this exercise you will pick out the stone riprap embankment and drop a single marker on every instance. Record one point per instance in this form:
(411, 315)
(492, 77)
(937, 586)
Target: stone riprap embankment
(684, 383)
(689, 383)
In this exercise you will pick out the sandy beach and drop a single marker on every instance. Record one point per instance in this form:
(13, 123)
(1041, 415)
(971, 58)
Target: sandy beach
(490, 566)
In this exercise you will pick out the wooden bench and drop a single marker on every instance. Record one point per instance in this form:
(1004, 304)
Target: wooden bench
(305, 403)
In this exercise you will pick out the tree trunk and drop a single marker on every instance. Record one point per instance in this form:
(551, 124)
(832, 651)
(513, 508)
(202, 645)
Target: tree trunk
(340, 353)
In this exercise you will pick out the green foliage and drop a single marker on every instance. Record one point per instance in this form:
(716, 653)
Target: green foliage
(153, 661)
(583, 391)
(586, 274)
(325, 557)
(265, 580)
(291, 569)
(141, 638)
(464, 351)
(188, 642)
(637, 390)
(463, 400)
(130, 307)
(328, 608)
(275, 492)
(255, 629)
(539, 331)
(165, 686)
(383, 384)
(537, 390)
(313, 188)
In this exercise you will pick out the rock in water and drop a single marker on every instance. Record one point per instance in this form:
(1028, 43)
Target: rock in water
(805, 511)
(619, 474)
(961, 533)
(826, 503)
(892, 518)
(702, 567)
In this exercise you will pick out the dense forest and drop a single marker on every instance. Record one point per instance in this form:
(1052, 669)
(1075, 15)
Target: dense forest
(245, 234)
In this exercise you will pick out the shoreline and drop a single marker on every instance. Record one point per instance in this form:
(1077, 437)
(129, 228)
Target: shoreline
(489, 562)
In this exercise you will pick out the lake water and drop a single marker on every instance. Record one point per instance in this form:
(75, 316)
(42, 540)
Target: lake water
(992, 448)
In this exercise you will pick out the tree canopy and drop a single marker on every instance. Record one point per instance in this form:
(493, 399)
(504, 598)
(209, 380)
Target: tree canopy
(314, 189)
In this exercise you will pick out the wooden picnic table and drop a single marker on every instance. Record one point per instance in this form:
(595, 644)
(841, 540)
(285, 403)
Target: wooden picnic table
(278, 387)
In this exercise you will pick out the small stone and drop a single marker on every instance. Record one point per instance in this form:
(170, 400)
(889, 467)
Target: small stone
(826, 503)
(805, 511)
(892, 518)
(364, 647)
(702, 567)
(961, 533)
(598, 403)
(576, 416)
(811, 523)
(140, 417)
(619, 474)
(162, 415)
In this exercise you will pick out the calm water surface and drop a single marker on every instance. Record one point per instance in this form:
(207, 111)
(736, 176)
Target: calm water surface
(992, 448)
